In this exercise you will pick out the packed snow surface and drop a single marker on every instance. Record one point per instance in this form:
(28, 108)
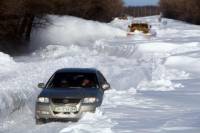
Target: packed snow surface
(155, 80)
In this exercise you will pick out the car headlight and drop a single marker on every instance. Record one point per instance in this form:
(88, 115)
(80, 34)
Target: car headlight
(89, 100)
(43, 100)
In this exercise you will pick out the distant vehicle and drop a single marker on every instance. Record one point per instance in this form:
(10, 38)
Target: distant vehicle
(137, 27)
(69, 93)
(144, 27)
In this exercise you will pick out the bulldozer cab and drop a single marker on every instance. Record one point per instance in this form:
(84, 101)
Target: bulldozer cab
(144, 27)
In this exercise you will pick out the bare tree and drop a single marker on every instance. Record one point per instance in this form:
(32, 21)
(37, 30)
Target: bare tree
(186, 10)
(19, 16)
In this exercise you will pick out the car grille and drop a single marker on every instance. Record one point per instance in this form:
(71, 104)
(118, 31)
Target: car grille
(65, 101)
(65, 113)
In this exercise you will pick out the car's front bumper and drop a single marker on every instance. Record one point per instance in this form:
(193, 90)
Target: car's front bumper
(46, 111)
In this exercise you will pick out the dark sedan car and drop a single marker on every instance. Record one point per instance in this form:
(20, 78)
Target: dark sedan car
(69, 93)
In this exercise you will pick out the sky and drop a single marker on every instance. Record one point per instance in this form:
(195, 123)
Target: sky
(141, 2)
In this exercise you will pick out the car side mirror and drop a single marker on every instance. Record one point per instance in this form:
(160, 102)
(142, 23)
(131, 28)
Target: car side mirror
(41, 85)
(106, 86)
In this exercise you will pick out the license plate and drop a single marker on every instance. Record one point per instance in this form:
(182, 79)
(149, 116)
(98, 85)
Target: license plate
(65, 109)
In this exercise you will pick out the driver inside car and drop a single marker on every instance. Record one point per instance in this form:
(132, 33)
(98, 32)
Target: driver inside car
(87, 83)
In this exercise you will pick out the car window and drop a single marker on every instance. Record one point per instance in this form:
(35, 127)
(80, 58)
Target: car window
(73, 80)
(102, 78)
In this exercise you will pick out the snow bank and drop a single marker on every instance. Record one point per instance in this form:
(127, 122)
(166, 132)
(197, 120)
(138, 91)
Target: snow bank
(59, 51)
(96, 123)
(6, 63)
(9, 98)
(158, 85)
(122, 24)
(158, 47)
(184, 63)
(72, 30)
(164, 57)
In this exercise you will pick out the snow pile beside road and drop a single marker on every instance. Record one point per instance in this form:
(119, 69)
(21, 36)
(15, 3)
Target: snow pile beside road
(6, 63)
(72, 30)
(91, 123)
(184, 62)
(122, 24)
(158, 85)
(58, 51)
(160, 54)
(158, 47)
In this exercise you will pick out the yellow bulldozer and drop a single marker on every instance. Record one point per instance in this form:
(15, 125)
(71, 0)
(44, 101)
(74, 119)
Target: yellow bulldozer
(143, 27)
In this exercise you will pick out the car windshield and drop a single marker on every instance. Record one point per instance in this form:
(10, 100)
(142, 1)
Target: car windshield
(73, 80)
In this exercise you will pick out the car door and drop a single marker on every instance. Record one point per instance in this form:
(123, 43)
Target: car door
(101, 81)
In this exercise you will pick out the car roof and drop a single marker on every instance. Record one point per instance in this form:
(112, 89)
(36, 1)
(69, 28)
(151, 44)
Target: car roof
(78, 70)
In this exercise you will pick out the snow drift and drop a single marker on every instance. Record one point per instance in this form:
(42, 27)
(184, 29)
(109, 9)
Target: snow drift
(6, 63)
(71, 30)
(155, 81)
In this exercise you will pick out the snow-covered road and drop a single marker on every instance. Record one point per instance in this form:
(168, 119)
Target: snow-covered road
(155, 81)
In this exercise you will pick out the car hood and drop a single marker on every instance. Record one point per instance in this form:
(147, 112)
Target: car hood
(69, 92)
